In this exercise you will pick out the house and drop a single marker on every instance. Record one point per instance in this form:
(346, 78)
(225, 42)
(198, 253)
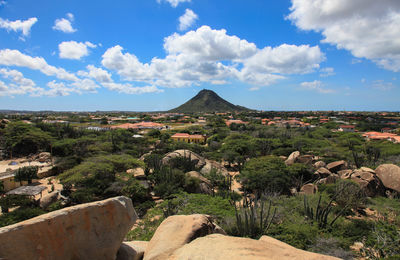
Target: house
(183, 137)
(7, 178)
(347, 128)
(233, 121)
(379, 136)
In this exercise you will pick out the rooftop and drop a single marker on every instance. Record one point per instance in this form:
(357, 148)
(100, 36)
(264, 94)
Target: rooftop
(27, 190)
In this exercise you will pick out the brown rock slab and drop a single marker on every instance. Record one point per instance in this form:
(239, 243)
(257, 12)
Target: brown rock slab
(389, 174)
(220, 247)
(175, 232)
(337, 166)
(309, 188)
(345, 174)
(87, 231)
(319, 164)
(133, 250)
(323, 172)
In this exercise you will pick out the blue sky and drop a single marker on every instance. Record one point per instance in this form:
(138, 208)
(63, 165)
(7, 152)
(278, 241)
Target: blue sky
(151, 55)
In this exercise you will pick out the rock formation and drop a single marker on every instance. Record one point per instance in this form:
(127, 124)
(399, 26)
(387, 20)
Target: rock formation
(87, 231)
(389, 174)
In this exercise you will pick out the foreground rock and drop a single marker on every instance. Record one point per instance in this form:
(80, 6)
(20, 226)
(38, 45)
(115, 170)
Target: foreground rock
(389, 174)
(133, 250)
(88, 231)
(175, 232)
(225, 247)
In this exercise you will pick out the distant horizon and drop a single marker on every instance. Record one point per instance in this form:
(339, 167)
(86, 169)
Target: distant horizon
(142, 56)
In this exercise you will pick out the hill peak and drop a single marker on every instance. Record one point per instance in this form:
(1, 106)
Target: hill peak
(207, 101)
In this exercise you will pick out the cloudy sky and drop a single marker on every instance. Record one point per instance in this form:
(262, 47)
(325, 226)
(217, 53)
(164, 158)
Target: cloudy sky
(146, 55)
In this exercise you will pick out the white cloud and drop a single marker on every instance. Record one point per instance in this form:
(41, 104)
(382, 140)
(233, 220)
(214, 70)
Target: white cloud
(326, 72)
(16, 58)
(173, 3)
(129, 89)
(2, 2)
(64, 25)
(212, 56)
(100, 75)
(367, 28)
(187, 20)
(316, 85)
(18, 84)
(18, 25)
(74, 50)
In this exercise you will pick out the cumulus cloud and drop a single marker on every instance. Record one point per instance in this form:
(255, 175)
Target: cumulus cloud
(18, 25)
(16, 58)
(367, 28)
(382, 85)
(74, 50)
(64, 24)
(316, 85)
(18, 84)
(187, 20)
(213, 56)
(173, 3)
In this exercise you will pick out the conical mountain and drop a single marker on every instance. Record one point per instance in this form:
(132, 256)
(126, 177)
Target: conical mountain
(207, 101)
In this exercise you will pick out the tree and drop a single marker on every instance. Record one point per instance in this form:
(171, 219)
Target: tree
(265, 174)
(27, 173)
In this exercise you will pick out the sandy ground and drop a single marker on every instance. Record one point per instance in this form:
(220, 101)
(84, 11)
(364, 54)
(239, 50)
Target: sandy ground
(21, 162)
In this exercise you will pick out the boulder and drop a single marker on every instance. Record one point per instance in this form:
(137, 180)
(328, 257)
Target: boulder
(319, 164)
(292, 158)
(198, 176)
(133, 250)
(47, 200)
(389, 174)
(44, 157)
(213, 165)
(195, 158)
(309, 189)
(175, 232)
(87, 231)
(138, 173)
(328, 180)
(220, 247)
(368, 182)
(305, 159)
(337, 166)
(323, 172)
(345, 174)
(366, 169)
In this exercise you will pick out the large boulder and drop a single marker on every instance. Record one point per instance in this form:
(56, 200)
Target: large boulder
(133, 250)
(323, 172)
(309, 188)
(194, 157)
(87, 231)
(204, 183)
(220, 247)
(138, 173)
(213, 165)
(292, 158)
(175, 232)
(368, 182)
(48, 199)
(305, 159)
(345, 174)
(319, 164)
(389, 174)
(337, 166)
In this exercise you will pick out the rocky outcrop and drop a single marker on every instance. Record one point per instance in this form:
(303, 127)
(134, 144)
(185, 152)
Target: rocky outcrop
(323, 172)
(309, 189)
(213, 165)
(175, 232)
(88, 231)
(133, 250)
(389, 174)
(367, 181)
(138, 173)
(194, 157)
(219, 247)
(337, 166)
(345, 174)
(204, 183)
(319, 164)
(292, 158)
(50, 198)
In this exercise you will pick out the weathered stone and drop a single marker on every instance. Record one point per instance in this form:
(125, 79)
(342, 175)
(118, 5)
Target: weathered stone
(345, 174)
(198, 176)
(366, 169)
(138, 173)
(47, 200)
(220, 247)
(319, 164)
(44, 157)
(305, 159)
(328, 180)
(176, 231)
(133, 250)
(292, 158)
(309, 188)
(195, 158)
(213, 165)
(87, 231)
(337, 166)
(368, 182)
(323, 172)
(389, 174)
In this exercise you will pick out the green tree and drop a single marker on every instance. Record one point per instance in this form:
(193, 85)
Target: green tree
(27, 173)
(266, 174)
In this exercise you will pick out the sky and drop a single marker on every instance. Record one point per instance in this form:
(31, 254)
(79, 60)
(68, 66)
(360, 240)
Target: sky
(153, 55)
